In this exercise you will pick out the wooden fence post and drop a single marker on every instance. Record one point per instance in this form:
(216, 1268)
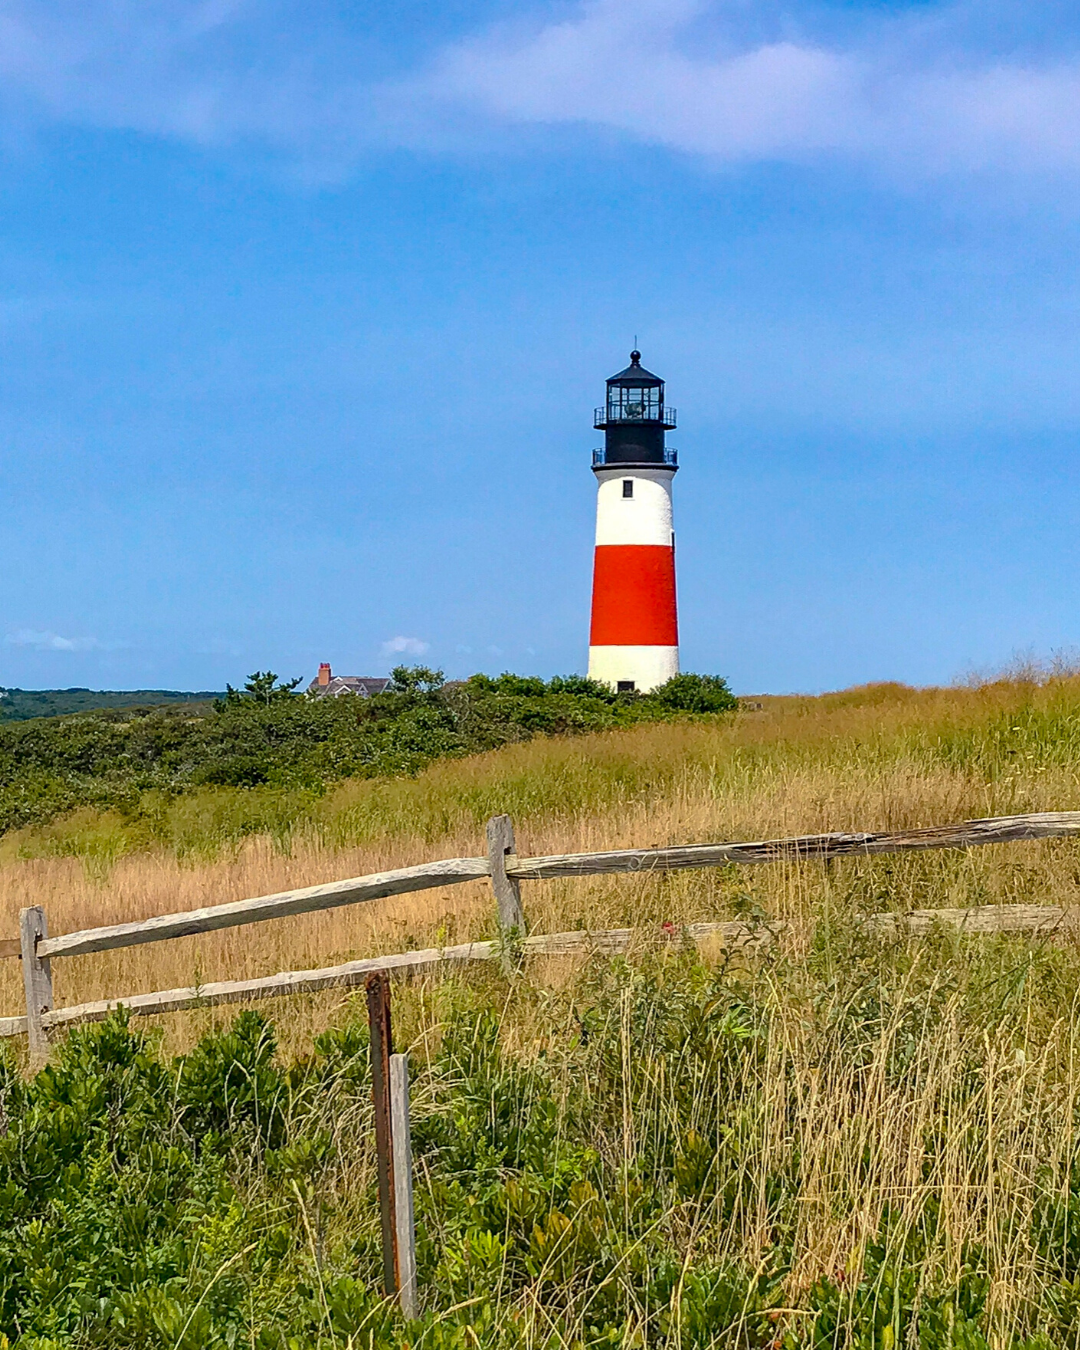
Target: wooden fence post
(377, 988)
(37, 980)
(403, 1185)
(500, 838)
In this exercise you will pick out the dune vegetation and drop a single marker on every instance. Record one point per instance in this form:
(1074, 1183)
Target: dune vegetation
(849, 1140)
(142, 763)
(21, 705)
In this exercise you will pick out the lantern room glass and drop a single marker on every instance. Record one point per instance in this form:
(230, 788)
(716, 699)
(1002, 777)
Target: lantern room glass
(633, 403)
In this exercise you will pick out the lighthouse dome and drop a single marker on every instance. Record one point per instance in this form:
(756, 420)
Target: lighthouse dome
(634, 418)
(635, 373)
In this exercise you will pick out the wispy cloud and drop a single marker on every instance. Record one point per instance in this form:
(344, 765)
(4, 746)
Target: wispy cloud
(405, 646)
(44, 640)
(914, 93)
(753, 101)
(933, 89)
(211, 72)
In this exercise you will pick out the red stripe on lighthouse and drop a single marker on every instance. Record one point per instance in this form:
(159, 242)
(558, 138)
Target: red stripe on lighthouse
(633, 602)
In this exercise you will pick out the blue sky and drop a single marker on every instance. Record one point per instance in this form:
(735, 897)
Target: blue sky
(304, 311)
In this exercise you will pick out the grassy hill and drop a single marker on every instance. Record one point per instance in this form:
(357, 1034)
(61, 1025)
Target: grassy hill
(851, 1141)
(141, 761)
(18, 705)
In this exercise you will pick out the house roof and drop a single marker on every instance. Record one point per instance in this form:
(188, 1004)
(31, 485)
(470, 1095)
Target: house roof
(364, 685)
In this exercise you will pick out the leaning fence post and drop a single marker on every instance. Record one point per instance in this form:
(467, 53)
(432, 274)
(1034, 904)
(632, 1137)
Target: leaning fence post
(37, 979)
(500, 838)
(377, 988)
(403, 1184)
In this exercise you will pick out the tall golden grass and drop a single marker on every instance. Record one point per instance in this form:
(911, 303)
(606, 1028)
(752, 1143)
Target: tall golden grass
(867, 1138)
(941, 1073)
(877, 757)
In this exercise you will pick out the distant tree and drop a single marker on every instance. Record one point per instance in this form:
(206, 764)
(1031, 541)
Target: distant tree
(262, 687)
(415, 680)
(580, 686)
(695, 693)
(519, 686)
(531, 686)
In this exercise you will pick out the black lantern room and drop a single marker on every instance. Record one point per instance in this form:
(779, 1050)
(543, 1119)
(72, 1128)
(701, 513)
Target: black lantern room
(634, 419)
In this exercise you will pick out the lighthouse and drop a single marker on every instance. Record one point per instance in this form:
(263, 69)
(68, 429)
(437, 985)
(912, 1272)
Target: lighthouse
(634, 641)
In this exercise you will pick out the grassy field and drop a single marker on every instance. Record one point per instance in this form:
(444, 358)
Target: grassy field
(876, 758)
(852, 1142)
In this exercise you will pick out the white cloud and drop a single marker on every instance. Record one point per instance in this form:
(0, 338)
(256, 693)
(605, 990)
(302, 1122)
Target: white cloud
(934, 89)
(209, 72)
(53, 642)
(405, 646)
(906, 95)
(621, 67)
(50, 641)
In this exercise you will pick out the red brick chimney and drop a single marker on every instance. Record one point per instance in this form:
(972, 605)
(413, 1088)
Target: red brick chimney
(324, 674)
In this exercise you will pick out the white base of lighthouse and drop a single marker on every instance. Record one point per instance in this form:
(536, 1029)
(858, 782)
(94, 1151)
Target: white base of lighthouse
(644, 668)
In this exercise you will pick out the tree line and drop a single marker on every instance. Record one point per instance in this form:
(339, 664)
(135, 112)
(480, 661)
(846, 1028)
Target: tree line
(269, 734)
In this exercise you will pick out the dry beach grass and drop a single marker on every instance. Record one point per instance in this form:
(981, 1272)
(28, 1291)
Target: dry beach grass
(867, 758)
(869, 1139)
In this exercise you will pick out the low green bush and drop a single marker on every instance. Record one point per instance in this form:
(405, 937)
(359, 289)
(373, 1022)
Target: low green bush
(695, 694)
(592, 1169)
(224, 1200)
(267, 737)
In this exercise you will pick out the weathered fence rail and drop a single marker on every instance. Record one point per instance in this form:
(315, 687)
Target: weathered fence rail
(506, 871)
(454, 871)
(821, 847)
(332, 895)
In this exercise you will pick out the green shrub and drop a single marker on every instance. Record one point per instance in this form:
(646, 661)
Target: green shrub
(267, 737)
(592, 1189)
(695, 694)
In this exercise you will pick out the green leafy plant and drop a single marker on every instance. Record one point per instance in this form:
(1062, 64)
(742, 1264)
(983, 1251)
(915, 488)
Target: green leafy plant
(267, 738)
(644, 1181)
(695, 694)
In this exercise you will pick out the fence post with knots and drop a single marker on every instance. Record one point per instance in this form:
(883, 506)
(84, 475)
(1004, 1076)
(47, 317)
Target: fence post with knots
(37, 980)
(500, 841)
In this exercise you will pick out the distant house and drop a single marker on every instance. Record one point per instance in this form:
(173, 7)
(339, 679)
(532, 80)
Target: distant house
(328, 685)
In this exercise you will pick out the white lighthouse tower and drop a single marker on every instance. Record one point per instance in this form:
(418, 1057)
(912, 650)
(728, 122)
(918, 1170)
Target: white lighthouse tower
(634, 641)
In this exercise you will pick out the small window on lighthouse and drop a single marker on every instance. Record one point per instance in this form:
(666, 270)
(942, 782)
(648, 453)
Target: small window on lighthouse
(625, 686)
(627, 487)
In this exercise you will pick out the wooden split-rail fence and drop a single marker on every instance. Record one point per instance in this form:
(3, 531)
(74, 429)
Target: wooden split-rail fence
(506, 871)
